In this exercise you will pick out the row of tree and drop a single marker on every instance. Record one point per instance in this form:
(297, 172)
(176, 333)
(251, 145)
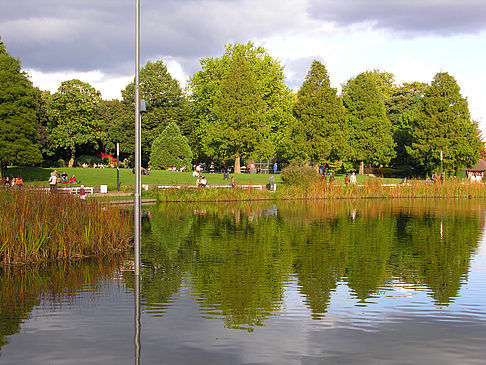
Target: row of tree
(238, 106)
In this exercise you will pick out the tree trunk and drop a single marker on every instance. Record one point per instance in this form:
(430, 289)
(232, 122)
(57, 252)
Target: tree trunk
(237, 165)
(361, 168)
(73, 153)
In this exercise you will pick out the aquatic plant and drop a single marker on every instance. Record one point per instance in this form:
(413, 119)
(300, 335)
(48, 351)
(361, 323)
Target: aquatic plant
(35, 225)
(321, 189)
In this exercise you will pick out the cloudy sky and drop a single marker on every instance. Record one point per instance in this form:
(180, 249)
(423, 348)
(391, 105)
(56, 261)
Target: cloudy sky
(94, 40)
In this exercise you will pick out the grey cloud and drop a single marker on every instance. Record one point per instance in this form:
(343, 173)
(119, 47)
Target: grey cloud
(405, 17)
(85, 35)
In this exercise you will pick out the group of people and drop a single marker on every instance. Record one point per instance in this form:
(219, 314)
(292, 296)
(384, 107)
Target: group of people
(201, 182)
(350, 179)
(14, 182)
(331, 177)
(57, 178)
(475, 176)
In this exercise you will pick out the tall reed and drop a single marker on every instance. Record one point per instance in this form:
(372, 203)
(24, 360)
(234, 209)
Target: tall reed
(211, 195)
(35, 225)
(375, 189)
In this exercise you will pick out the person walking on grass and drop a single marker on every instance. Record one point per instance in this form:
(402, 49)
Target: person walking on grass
(52, 182)
(352, 179)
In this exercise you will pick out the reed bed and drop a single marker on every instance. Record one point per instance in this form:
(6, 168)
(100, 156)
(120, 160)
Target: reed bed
(375, 189)
(212, 195)
(372, 189)
(36, 226)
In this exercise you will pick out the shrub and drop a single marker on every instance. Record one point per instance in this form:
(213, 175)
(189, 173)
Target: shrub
(298, 175)
(90, 160)
(170, 149)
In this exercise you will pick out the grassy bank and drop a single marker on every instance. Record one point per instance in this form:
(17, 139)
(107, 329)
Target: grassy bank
(321, 190)
(91, 176)
(36, 226)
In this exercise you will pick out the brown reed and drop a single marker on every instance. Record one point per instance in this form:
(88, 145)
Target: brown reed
(374, 188)
(35, 226)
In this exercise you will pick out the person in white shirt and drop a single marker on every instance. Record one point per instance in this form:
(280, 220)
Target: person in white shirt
(52, 182)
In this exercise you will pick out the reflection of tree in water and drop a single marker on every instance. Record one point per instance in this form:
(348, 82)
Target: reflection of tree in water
(166, 255)
(370, 244)
(438, 251)
(380, 241)
(320, 252)
(240, 255)
(22, 288)
(240, 268)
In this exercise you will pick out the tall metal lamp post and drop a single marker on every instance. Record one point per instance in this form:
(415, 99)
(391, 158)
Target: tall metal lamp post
(138, 147)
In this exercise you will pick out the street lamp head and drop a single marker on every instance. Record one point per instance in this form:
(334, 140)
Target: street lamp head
(143, 108)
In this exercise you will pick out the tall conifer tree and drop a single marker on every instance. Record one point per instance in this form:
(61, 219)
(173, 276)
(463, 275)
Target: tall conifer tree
(444, 123)
(321, 117)
(369, 129)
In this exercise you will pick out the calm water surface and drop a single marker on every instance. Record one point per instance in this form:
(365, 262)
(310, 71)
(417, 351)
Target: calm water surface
(394, 282)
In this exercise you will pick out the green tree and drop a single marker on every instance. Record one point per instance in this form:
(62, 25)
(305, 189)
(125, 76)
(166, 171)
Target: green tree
(72, 113)
(170, 149)
(444, 124)
(241, 104)
(18, 114)
(322, 117)
(165, 103)
(401, 109)
(117, 122)
(384, 81)
(369, 129)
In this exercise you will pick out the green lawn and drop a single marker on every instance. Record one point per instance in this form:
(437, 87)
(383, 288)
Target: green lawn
(91, 176)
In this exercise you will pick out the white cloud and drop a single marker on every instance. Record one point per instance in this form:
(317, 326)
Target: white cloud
(110, 87)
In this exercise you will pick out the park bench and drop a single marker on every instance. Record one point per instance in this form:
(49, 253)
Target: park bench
(76, 189)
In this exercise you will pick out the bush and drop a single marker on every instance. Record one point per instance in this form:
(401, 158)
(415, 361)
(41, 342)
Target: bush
(90, 160)
(170, 149)
(298, 175)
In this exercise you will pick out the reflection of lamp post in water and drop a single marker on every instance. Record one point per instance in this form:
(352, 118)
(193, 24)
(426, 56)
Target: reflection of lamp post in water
(136, 338)
(441, 164)
(117, 166)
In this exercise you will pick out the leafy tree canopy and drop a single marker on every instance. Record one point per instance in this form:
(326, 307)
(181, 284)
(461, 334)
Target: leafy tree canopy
(401, 109)
(165, 103)
(72, 113)
(18, 114)
(241, 103)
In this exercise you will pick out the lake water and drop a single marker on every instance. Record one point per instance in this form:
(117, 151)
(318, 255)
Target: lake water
(369, 282)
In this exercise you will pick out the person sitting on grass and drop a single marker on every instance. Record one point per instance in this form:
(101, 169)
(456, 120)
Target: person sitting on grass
(204, 182)
(19, 182)
(64, 177)
(72, 180)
